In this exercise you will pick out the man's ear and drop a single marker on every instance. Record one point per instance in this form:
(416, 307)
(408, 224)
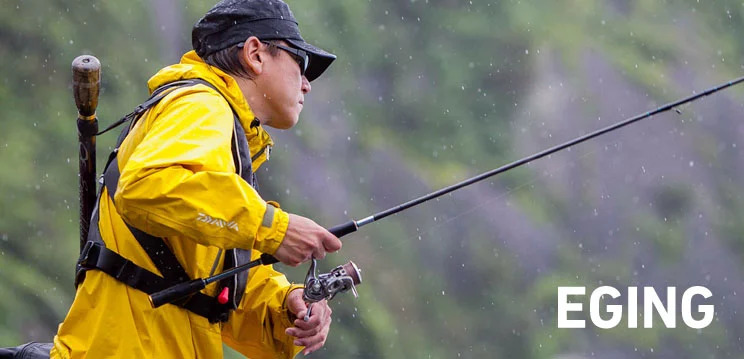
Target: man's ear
(250, 55)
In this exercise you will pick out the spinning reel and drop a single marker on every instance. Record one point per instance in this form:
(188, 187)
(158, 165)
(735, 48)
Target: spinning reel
(326, 285)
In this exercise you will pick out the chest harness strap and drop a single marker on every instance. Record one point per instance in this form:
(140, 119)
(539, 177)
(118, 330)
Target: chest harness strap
(95, 255)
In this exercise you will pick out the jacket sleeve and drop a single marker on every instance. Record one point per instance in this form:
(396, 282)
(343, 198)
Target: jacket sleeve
(178, 178)
(256, 328)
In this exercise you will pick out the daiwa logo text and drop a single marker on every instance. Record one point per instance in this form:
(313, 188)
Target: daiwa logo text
(612, 314)
(217, 222)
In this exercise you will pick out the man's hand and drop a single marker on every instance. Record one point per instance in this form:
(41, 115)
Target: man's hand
(305, 239)
(313, 333)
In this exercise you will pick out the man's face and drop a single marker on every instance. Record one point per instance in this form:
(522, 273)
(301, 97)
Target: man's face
(284, 89)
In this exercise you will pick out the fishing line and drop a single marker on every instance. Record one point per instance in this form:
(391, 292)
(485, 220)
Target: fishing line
(500, 196)
(535, 178)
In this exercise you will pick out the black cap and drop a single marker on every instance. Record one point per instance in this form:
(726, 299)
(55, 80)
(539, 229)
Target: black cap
(231, 22)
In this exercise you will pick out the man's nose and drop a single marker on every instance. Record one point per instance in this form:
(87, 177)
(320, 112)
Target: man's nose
(305, 85)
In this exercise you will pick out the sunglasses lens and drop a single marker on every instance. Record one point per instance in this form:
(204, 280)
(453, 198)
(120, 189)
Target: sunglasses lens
(305, 62)
(301, 58)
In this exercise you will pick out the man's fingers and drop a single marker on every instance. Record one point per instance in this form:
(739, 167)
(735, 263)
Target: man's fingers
(319, 317)
(319, 253)
(317, 342)
(331, 243)
(311, 341)
(312, 323)
(303, 239)
(313, 348)
(304, 334)
(307, 332)
(313, 333)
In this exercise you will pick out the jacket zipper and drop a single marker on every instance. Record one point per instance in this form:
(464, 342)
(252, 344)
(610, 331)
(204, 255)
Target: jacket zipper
(266, 149)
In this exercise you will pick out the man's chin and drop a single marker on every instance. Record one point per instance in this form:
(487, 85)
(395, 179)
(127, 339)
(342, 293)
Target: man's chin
(283, 124)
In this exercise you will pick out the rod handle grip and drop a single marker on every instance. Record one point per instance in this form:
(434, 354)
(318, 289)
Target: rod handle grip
(268, 259)
(176, 292)
(343, 229)
(86, 84)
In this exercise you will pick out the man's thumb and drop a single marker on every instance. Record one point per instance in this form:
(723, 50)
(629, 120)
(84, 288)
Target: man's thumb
(331, 243)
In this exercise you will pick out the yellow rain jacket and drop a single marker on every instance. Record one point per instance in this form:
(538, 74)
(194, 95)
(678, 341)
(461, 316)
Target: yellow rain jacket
(176, 164)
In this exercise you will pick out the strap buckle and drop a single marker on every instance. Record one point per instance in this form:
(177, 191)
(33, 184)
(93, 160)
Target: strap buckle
(88, 256)
(90, 252)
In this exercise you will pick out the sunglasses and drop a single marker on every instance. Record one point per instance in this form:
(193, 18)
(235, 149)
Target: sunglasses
(300, 56)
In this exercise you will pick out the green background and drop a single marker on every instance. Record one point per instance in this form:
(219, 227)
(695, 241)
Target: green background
(424, 94)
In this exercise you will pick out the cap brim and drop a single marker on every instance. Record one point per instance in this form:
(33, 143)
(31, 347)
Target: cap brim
(319, 58)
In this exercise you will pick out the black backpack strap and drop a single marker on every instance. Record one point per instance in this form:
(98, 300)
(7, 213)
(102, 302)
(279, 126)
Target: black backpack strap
(160, 254)
(95, 255)
(154, 98)
(163, 258)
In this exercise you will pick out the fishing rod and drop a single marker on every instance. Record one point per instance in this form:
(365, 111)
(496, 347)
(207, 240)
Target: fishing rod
(181, 290)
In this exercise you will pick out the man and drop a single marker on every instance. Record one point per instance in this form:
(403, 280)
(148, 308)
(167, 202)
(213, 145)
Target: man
(177, 181)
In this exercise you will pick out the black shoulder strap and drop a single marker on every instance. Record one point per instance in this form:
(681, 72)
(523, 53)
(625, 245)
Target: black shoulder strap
(154, 98)
(163, 258)
(95, 255)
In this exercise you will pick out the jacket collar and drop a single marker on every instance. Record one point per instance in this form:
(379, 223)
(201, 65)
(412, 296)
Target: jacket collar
(192, 66)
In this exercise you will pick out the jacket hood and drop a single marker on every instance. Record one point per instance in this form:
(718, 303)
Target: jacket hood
(192, 67)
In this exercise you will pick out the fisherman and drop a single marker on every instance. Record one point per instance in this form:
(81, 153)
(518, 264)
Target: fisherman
(183, 181)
